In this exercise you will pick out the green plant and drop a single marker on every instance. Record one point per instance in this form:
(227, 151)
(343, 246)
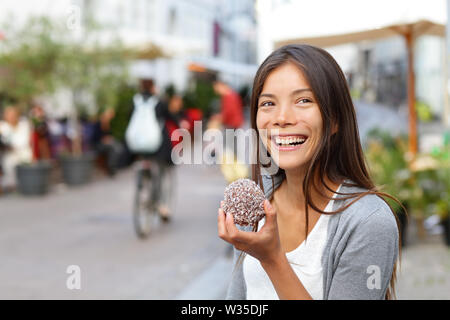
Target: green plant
(28, 57)
(423, 111)
(392, 171)
(388, 166)
(355, 93)
(442, 156)
(201, 95)
(123, 111)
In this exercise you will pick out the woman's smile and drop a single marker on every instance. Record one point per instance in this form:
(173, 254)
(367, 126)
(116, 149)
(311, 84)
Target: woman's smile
(288, 139)
(288, 142)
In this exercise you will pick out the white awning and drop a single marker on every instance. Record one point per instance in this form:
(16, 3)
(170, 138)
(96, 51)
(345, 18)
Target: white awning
(329, 23)
(417, 28)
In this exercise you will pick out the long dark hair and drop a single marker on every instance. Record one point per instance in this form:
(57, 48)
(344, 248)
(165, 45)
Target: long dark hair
(339, 155)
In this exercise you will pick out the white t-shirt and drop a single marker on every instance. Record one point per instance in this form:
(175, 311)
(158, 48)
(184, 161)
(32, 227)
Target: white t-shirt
(305, 261)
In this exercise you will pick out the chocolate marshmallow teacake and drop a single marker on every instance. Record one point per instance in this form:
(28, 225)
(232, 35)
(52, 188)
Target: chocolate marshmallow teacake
(244, 199)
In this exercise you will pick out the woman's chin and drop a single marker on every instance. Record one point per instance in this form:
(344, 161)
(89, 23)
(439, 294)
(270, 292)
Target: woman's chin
(287, 165)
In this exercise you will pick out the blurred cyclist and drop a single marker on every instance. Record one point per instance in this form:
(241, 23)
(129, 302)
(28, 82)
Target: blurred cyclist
(160, 152)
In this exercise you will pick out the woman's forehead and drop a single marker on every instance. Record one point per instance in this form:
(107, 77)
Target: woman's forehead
(285, 79)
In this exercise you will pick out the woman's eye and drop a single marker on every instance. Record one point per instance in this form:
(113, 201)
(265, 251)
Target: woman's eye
(266, 104)
(304, 100)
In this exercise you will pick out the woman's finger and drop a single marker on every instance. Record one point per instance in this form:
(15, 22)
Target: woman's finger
(236, 235)
(221, 228)
(229, 225)
(271, 215)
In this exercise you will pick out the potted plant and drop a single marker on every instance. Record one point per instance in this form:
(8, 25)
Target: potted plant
(425, 192)
(389, 169)
(94, 73)
(442, 155)
(27, 58)
(33, 178)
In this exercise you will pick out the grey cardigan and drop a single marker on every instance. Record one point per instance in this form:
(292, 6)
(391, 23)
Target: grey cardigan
(360, 253)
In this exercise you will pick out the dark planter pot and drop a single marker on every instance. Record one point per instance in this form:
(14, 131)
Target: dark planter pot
(403, 220)
(446, 224)
(33, 179)
(77, 170)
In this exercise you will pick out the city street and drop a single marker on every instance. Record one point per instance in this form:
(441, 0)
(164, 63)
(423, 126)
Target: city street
(91, 227)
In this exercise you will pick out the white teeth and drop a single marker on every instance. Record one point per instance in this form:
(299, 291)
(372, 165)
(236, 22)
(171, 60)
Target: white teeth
(289, 140)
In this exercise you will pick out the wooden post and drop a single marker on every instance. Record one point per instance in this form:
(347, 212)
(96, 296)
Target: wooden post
(409, 37)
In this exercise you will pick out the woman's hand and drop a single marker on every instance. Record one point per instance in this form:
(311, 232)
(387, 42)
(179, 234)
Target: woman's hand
(263, 245)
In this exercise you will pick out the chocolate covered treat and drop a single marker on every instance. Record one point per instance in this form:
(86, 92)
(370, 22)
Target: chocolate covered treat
(244, 199)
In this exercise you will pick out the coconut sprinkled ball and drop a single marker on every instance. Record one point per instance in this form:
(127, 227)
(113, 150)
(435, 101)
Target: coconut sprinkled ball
(244, 199)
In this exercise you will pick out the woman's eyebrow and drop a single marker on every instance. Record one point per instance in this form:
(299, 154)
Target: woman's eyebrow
(269, 95)
(300, 91)
(297, 91)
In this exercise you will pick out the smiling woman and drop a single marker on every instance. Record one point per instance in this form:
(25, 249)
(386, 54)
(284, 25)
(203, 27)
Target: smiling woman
(326, 223)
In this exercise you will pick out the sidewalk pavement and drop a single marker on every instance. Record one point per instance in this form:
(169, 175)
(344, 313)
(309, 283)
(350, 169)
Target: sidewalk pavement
(91, 227)
(212, 284)
(425, 271)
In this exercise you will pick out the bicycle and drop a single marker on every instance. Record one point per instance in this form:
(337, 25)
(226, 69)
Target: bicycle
(146, 216)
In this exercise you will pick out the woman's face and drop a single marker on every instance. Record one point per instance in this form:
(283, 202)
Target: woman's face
(289, 112)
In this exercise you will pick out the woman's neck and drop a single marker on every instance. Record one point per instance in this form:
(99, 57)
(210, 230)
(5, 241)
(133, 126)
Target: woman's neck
(292, 191)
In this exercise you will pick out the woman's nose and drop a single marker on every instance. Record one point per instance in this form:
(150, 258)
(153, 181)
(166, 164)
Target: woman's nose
(284, 116)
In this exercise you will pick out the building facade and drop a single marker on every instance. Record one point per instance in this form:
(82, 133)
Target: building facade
(219, 34)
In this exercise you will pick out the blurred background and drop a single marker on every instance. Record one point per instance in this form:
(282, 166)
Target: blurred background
(72, 217)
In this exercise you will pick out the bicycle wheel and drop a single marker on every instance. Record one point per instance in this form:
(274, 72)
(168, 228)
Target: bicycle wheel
(167, 198)
(143, 209)
(170, 190)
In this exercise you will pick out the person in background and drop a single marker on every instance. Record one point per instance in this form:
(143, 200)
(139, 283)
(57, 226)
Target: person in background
(161, 158)
(105, 143)
(58, 137)
(231, 115)
(40, 139)
(15, 132)
(3, 147)
(176, 110)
